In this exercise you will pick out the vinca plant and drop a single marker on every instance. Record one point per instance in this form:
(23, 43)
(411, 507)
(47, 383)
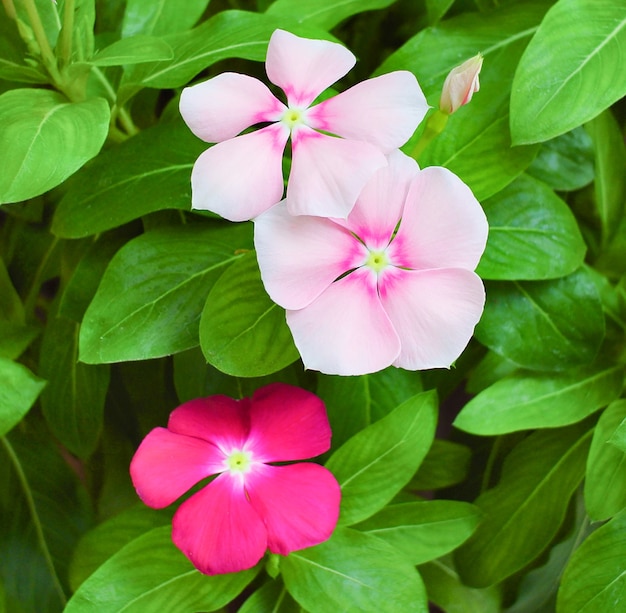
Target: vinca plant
(312, 306)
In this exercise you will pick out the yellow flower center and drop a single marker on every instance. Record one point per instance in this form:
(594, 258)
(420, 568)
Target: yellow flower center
(377, 260)
(293, 117)
(238, 462)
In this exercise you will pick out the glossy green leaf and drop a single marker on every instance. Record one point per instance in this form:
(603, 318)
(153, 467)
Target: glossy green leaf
(160, 16)
(149, 172)
(488, 371)
(134, 50)
(73, 401)
(445, 464)
(436, 9)
(378, 461)
(595, 578)
(424, 530)
(242, 332)
(605, 482)
(15, 338)
(270, 598)
(610, 162)
(618, 438)
(524, 511)
(11, 307)
(555, 92)
(49, 139)
(525, 401)
(151, 574)
(19, 388)
(448, 592)
(322, 13)
(532, 234)
(353, 572)
(544, 325)
(151, 296)
(565, 163)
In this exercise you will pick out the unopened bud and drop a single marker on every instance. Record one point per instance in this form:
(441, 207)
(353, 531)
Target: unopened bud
(460, 85)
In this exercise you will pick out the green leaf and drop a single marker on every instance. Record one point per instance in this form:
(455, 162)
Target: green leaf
(424, 530)
(49, 139)
(447, 591)
(160, 17)
(15, 338)
(353, 572)
(565, 314)
(565, 163)
(555, 92)
(151, 296)
(149, 172)
(11, 307)
(525, 401)
(436, 9)
(107, 538)
(376, 463)
(322, 13)
(270, 598)
(605, 482)
(445, 464)
(133, 50)
(73, 401)
(524, 511)
(595, 578)
(532, 234)
(151, 574)
(19, 389)
(242, 332)
(610, 162)
(618, 438)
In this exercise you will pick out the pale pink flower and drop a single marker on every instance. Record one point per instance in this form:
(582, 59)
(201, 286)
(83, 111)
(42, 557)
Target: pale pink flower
(242, 176)
(393, 284)
(250, 506)
(461, 84)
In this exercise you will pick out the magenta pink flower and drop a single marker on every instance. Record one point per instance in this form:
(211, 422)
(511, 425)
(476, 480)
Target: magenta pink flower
(251, 505)
(242, 176)
(393, 284)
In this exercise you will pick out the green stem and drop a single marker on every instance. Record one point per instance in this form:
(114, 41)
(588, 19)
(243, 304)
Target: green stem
(31, 298)
(9, 7)
(495, 450)
(30, 502)
(45, 50)
(434, 127)
(65, 37)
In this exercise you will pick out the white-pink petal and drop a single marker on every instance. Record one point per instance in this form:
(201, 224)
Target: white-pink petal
(345, 331)
(220, 108)
(434, 313)
(328, 173)
(300, 256)
(304, 68)
(241, 177)
(443, 225)
(383, 111)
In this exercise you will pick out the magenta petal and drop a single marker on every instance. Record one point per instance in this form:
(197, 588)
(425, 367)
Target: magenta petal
(220, 108)
(434, 313)
(328, 173)
(219, 530)
(166, 465)
(287, 423)
(345, 331)
(304, 68)
(301, 256)
(241, 177)
(299, 504)
(221, 420)
(443, 225)
(383, 111)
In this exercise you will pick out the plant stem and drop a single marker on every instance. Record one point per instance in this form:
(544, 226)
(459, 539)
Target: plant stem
(434, 126)
(493, 454)
(9, 7)
(45, 50)
(65, 37)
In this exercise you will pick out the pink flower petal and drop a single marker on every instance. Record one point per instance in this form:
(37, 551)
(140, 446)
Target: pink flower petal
(300, 257)
(345, 331)
(287, 423)
(379, 208)
(434, 313)
(443, 225)
(166, 465)
(220, 108)
(383, 111)
(304, 68)
(299, 504)
(328, 173)
(219, 530)
(221, 420)
(241, 177)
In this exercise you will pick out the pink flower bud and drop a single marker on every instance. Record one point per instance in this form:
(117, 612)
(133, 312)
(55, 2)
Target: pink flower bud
(460, 85)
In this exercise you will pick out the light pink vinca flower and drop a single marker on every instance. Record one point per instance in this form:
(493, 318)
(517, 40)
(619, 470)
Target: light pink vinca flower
(242, 176)
(393, 284)
(251, 505)
(461, 84)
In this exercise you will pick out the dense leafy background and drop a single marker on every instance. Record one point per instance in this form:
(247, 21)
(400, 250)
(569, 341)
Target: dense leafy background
(496, 486)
